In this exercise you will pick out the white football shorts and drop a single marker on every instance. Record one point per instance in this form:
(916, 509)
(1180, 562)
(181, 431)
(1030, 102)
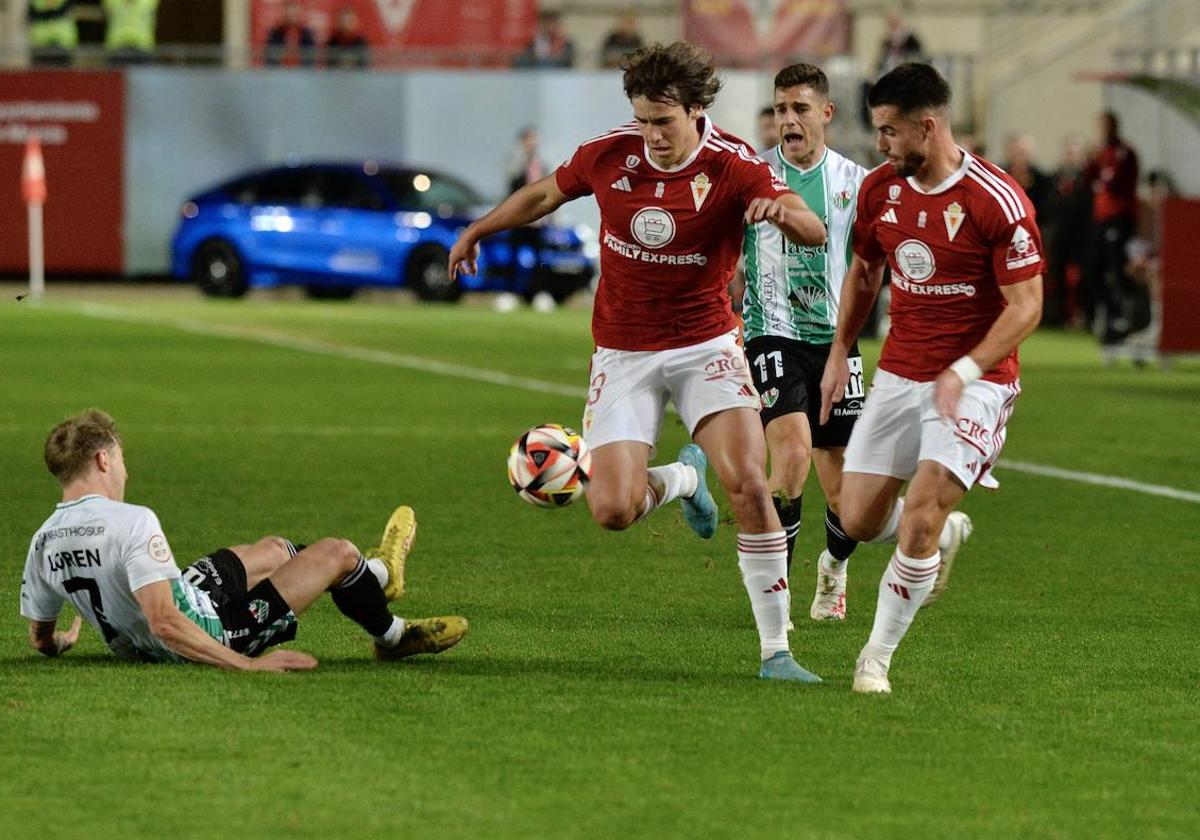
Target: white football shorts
(629, 389)
(899, 428)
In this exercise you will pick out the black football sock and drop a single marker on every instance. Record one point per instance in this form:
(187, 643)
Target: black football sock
(789, 517)
(293, 548)
(360, 598)
(839, 545)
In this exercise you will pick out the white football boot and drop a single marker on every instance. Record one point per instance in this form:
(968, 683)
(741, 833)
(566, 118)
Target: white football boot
(957, 531)
(829, 604)
(871, 675)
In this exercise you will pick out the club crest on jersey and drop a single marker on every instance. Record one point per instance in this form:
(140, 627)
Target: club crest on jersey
(1022, 251)
(954, 216)
(915, 260)
(632, 161)
(700, 187)
(653, 227)
(894, 194)
(842, 199)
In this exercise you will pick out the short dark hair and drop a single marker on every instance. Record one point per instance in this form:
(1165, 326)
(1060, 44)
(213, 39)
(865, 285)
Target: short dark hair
(910, 87)
(797, 75)
(73, 442)
(681, 73)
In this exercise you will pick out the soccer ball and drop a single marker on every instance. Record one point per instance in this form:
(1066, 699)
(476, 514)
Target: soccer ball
(549, 466)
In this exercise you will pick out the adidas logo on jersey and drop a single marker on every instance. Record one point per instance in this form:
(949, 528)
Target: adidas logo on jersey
(889, 216)
(622, 184)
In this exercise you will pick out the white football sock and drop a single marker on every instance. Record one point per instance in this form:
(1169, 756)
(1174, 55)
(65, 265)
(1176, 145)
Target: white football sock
(905, 583)
(379, 569)
(392, 637)
(763, 561)
(666, 484)
(891, 526)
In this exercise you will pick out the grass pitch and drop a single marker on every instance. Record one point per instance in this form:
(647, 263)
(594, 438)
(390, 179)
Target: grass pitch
(607, 688)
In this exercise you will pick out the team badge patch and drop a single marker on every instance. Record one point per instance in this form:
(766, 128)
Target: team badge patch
(954, 216)
(158, 549)
(700, 187)
(842, 199)
(894, 194)
(1021, 251)
(770, 397)
(260, 609)
(632, 161)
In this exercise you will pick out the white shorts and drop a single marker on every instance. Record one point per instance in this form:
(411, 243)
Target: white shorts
(899, 428)
(629, 389)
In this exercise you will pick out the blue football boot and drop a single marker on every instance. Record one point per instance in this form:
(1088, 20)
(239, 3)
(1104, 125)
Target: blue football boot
(700, 510)
(782, 666)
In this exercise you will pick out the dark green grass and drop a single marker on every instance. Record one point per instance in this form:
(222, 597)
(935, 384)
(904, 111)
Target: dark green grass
(607, 688)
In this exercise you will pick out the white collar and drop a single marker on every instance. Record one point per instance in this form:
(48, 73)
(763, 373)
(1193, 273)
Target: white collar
(954, 178)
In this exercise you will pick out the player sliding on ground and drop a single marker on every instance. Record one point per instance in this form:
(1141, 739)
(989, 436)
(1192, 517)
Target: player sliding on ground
(964, 249)
(674, 192)
(112, 562)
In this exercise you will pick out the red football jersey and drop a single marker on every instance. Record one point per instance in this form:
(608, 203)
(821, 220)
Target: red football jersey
(951, 248)
(669, 239)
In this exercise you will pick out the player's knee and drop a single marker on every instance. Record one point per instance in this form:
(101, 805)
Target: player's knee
(792, 467)
(919, 528)
(274, 544)
(613, 516)
(342, 554)
(858, 523)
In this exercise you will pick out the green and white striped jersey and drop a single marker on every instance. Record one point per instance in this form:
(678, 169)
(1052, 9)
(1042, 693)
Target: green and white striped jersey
(792, 291)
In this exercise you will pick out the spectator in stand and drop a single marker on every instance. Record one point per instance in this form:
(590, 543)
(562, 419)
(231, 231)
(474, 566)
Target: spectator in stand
(550, 46)
(1113, 175)
(899, 46)
(768, 130)
(290, 42)
(130, 37)
(624, 38)
(1034, 181)
(524, 164)
(53, 34)
(1066, 236)
(347, 48)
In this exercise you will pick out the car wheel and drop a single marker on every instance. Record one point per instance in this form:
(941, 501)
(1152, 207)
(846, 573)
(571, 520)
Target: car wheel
(426, 275)
(217, 269)
(330, 292)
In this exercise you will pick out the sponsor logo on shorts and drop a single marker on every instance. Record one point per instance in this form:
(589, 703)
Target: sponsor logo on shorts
(158, 549)
(729, 365)
(260, 609)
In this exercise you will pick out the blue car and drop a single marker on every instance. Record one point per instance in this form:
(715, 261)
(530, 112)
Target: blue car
(335, 227)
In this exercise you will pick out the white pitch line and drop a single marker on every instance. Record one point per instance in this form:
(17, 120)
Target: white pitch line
(493, 377)
(1101, 480)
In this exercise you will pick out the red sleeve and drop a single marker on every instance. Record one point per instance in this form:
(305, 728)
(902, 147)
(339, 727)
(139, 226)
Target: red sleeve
(757, 179)
(1016, 246)
(862, 236)
(573, 177)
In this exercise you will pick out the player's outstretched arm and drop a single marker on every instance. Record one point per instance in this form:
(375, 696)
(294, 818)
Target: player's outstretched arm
(526, 205)
(1022, 313)
(48, 641)
(791, 215)
(173, 629)
(859, 290)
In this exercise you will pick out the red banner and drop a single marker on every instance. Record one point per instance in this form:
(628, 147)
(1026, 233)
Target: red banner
(767, 33)
(1180, 277)
(417, 32)
(80, 119)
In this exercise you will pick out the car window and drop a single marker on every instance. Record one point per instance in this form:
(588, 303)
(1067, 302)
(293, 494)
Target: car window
(346, 190)
(421, 190)
(293, 187)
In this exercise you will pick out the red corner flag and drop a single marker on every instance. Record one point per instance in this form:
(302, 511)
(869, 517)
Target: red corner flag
(33, 173)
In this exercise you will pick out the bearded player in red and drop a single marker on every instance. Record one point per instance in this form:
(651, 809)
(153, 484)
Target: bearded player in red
(674, 193)
(964, 249)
